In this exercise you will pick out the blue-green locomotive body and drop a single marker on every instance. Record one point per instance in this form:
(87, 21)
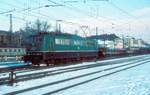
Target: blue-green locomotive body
(62, 42)
(54, 48)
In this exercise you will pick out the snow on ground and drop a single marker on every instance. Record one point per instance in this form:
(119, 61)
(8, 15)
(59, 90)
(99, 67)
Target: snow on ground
(46, 80)
(134, 81)
(6, 64)
(67, 83)
(81, 64)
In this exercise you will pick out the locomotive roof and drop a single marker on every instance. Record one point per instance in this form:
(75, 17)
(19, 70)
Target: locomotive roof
(10, 47)
(109, 37)
(3, 32)
(56, 34)
(65, 35)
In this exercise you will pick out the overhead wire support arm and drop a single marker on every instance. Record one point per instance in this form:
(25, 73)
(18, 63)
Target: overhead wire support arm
(56, 3)
(127, 13)
(68, 1)
(29, 9)
(35, 8)
(99, 0)
(7, 11)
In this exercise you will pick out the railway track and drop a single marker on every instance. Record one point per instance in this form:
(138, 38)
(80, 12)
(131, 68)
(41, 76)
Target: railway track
(35, 75)
(100, 74)
(34, 68)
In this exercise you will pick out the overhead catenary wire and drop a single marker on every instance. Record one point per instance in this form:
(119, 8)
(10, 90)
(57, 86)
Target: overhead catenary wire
(43, 15)
(135, 18)
(108, 20)
(31, 14)
(71, 7)
(62, 5)
(127, 13)
(29, 9)
(54, 3)
(68, 6)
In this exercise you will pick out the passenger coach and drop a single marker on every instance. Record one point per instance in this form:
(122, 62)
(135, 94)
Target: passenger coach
(11, 53)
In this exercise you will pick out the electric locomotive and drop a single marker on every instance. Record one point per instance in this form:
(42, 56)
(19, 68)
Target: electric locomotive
(57, 47)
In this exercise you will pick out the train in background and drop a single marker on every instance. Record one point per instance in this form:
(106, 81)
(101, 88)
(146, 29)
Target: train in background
(59, 48)
(11, 53)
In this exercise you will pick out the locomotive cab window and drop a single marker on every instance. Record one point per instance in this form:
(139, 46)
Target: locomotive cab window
(62, 41)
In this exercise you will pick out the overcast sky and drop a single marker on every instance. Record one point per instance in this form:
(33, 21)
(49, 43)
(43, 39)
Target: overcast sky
(122, 17)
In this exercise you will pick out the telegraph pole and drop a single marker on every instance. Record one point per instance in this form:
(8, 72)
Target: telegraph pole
(123, 42)
(96, 31)
(10, 30)
(59, 27)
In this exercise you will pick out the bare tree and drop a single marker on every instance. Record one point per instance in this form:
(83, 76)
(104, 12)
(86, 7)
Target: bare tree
(40, 26)
(31, 29)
